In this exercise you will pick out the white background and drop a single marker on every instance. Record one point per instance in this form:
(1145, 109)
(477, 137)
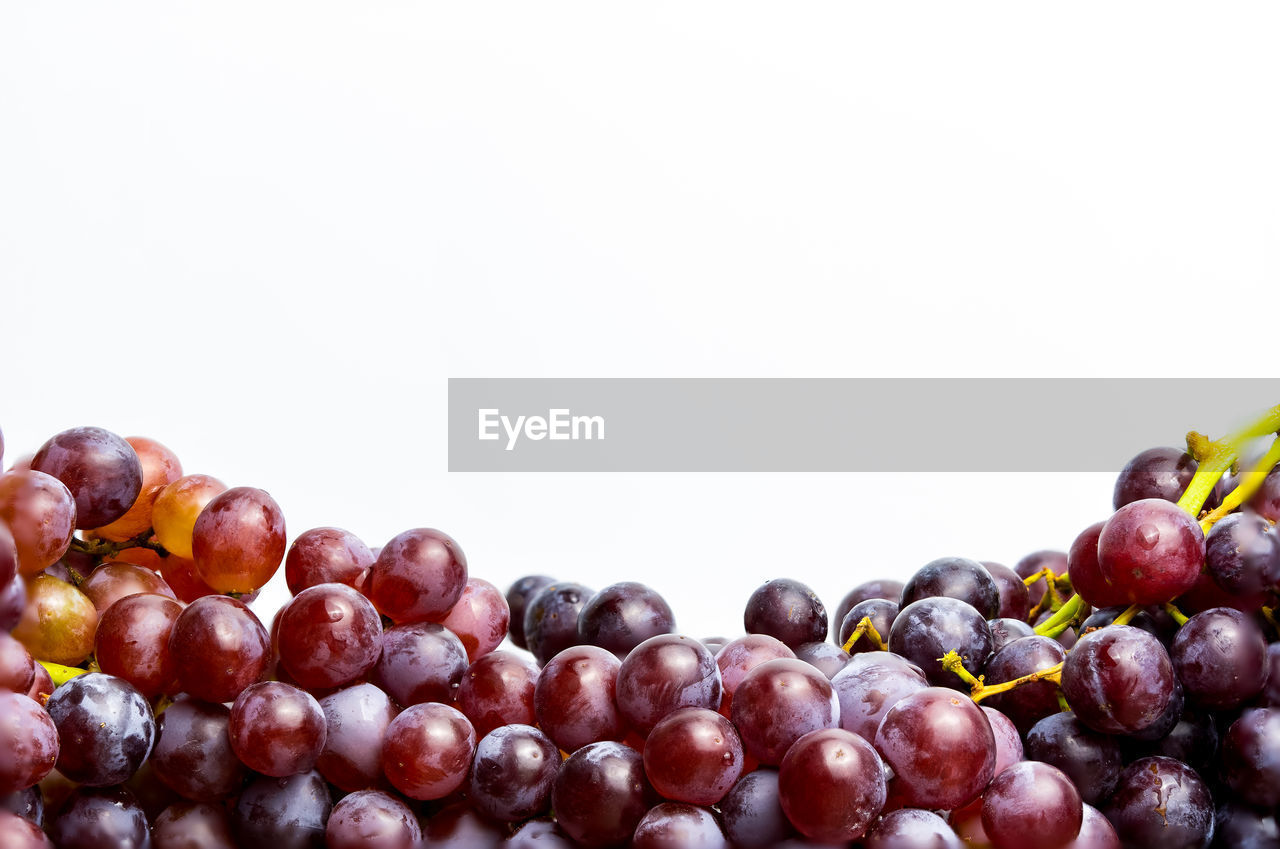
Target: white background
(266, 235)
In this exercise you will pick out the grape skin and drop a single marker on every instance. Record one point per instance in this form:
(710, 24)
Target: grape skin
(105, 728)
(1118, 680)
(29, 742)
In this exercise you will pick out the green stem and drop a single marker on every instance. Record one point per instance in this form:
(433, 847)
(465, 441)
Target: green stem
(1060, 621)
(1178, 615)
(1247, 486)
(1216, 457)
(61, 674)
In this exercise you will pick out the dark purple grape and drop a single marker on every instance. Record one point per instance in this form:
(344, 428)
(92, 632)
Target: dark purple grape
(677, 825)
(574, 698)
(1086, 575)
(881, 612)
(101, 818)
(926, 630)
(326, 555)
(1031, 805)
(1005, 631)
(955, 577)
(693, 755)
(940, 747)
(421, 662)
(192, 825)
(1242, 553)
(193, 753)
(1036, 562)
(512, 773)
(551, 619)
(28, 740)
(498, 689)
(1015, 599)
(1270, 695)
(832, 785)
(601, 794)
(1238, 826)
(1118, 680)
(1251, 756)
(1194, 741)
(1092, 760)
(778, 703)
(218, 647)
(105, 727)
(277, 729)
(427, 751)
(1161, 802)
(282, 813)
(1151, 551)
(518, 598)
(1220, 656)
(1266, 501)
(19, 833)
(881, 588)
(871, 684)
(13, 600)
(622, 616)
(1025, 704)
(371, 819)
(739, 656)
(101, 469)
(824, 657)
(417, 577)
(1155, 473)
(27, 803)
(328, 635)
(911, 828)
(356, 719)
(539, 834)
(786, 610)
(663, 674)
(752, 811)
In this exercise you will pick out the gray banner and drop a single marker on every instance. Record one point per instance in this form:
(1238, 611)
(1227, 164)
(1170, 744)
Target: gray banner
(834, 425)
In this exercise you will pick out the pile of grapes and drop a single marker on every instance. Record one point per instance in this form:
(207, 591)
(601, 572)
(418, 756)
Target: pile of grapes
(1124, 693)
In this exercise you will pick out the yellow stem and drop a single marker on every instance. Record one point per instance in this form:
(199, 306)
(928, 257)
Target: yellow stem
(865, 628)
(61, 674)
(1217, 456)
(1245, 488)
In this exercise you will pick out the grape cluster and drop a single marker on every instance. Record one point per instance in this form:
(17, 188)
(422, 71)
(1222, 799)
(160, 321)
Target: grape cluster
(1125, 693)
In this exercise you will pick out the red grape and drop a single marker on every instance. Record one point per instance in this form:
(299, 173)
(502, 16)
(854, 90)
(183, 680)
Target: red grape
(40, 513)
(417, 577)
(133, 642)
(101, 470)
(29, 740)
(276, 729)
(427, 750)
(324, 556)
(832, 785)
(328, 635)
(479, 618)
(1031, 805)
(219, 648)
(693, 755)
(238, 540)
(1151, 551)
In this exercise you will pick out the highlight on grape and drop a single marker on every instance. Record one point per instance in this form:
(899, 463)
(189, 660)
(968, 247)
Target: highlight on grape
(1124, 693)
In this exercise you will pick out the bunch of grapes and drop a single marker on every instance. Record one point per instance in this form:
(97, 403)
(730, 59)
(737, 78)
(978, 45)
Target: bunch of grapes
(1125, 693)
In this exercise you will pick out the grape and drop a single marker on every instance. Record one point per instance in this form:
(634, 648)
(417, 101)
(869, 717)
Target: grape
(752, 811)
(693, 755)
(1151, 551)
(1096, 832)
(1220, 656)
(19, 833)
(1015, 599)
(421, 662)
(1118, 680)
(778, 703)
(1194, 741)
(1242, 554)
(574, 698)
(176, 508)
(427, 750)
(58, 623)
(356, 721)
(479, 618)
(1037, 561)
(911, 828)
(1239, 826)
(1251, 756)
(787, 610)
(40, 513)
(881, 612)
(1085, 573)
(328, 635)
(100, 817)
(219, 648)
(17, 669)
(518, 597)
(1026, 704)
(539, 834)
(277, 729)
(824, 657)
(326, 556)
(193, 753)
(832, 785)
(662, 674)
(1031, 805)
(551, 619)
(41, 684)
(105, 727)
(1161, 802)
(622, 616)
(1266, 501)
(182, 578)
(28, 804)
(1155, 473)
(13, 597)
(499, 689)
(282, 813)
(1090, 759)
(879, 588)
(238, 540)
(1005, 631)
(160, 467)
(739, 656)
(958, 578)
(601, 793)
(101, 470)
(871, 684)
(371, 819)
(417, 577)
(940, 747)
(8, 555)
(29, 742)
(1008, 743)
(132, 642)
(673, 825)
(111, 582)
(926, 630)
(512, 774)
(458, 826)
(192, 825)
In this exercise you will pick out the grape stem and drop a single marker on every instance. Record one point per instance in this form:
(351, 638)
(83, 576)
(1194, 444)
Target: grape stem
(106, 548)
(1247, 486)
(59, 673)
(979, 689)
(1216, 456)
(1060, 621)
(1127, 615)
(1051, 594)
(1178, 615)
(865, 628)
